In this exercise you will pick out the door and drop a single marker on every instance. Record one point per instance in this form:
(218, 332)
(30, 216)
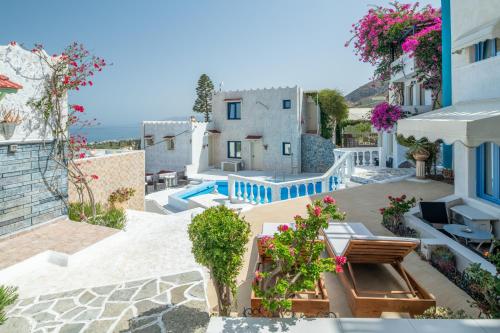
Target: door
(256, 150)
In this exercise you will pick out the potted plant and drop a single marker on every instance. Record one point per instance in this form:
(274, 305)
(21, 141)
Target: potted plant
(9, 120)
(120, 197)
(219, 237)
(291, 280)
(393, 215)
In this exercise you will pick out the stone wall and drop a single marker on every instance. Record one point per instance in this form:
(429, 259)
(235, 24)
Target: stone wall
(25, 198)
(317, 153)
(124, 169)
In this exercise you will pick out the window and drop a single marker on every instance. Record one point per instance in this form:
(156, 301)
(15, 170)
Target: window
(149, 139)
(488, 172)
(234, 149)
(486, 49)
(234, 110)
(170, 143)
(287, 104)
(422, 95)
(409, 95)
(287, 149)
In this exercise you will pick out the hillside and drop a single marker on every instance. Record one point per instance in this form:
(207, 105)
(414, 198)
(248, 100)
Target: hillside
(368, 94)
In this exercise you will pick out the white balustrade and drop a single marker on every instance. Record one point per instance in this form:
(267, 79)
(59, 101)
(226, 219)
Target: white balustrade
(362, 156)
(255, 191)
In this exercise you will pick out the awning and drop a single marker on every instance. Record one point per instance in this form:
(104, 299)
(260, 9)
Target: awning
(232, 99)
(212, 131)
(486, 31)
(253, 137)
(169, 136)
(471, 123)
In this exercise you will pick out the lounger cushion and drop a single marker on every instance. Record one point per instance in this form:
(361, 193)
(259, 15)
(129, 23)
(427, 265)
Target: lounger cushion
(340, 234)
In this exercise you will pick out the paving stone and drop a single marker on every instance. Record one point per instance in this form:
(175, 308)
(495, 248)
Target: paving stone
(197, 291)
(183, 277)
(86, 297)
(37, 307)
(147, 291)
(64, 305)
(65, 294)
(122, 294)
(147, 308)
(177, 294)
(99, 326)
(104, 290)
(72, 313)
(135, 283)
(27, 301)
(49, 324)
(89, 314)
(112, 310)
(163, 298)
(186, 318)
(71, 328)
(16, 324)
(163, 286)
(97, 302)
(124, 322)
(44, 316)
(149, 329)
(141, 321)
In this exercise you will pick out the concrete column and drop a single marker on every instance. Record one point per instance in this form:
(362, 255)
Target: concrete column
(420, 169)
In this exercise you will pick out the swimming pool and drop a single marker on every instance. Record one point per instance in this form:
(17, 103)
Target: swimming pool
(206, 188)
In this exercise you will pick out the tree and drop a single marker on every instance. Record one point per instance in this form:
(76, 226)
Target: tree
(219, 238)
(204, 90)
(333, 108)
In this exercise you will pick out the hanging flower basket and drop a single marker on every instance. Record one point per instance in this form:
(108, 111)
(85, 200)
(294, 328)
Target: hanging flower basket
(385, 116)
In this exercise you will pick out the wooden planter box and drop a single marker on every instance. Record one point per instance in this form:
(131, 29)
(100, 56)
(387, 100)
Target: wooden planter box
(310, 303)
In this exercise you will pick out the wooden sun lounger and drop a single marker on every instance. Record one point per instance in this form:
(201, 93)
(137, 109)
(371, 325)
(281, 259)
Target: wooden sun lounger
(371, 288)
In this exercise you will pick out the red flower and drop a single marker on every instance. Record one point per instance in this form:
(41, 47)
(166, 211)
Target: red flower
(78, 108)
(283, 227)
(339, 262)
(90, 83)
(317, 211)
(82, 155)
(258, 276)
(94, 177)
(13, 43)
(329, 200)
(339, 269)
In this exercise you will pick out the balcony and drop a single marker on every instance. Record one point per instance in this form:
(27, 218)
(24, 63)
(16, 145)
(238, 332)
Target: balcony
(412, 110)
(407, 69)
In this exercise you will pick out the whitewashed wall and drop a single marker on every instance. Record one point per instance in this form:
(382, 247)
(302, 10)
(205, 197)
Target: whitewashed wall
(262, 114)
(25, 68)
(199, 146)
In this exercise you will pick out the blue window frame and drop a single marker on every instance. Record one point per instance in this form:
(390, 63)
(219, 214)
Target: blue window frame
(287, 148)
(486, 49)
(234, 149)
(287, 104)
(488, 172)
(234, 110)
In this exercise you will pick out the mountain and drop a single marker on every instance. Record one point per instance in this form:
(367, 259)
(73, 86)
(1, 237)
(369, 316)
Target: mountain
(368, 94)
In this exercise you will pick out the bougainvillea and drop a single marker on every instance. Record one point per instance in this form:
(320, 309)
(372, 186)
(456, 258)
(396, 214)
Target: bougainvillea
(71, 70)
(384, 34)
(384, 116)
(296, 258)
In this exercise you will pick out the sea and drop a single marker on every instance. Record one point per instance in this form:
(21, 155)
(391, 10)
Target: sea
(108, 133)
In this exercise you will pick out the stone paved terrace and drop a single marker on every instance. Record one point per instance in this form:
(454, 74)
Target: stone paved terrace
(174, 303)
(361, 203)
(369, 175)
(62, 236)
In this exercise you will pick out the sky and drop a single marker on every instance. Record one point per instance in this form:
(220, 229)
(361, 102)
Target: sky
(159, 48)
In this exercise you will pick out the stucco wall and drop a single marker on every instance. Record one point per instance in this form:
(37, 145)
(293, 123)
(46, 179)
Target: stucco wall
(115, 171)
(317, 153)
(262, 114)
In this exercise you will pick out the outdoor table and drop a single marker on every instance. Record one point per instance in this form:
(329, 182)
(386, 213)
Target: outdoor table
(457, 230)
(473, 217)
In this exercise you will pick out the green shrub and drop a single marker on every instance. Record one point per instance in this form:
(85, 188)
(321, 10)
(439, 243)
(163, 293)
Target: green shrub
(440, 312)
(110, 217)
(8, 295)
(219, 238)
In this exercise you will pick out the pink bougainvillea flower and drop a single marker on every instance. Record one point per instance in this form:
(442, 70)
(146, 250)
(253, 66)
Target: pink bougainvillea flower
(82, 155)
(385, 116)
(94, 177)
(283, 227)
(317, 211)
(78, 108)
(329, 200)
(339, 262)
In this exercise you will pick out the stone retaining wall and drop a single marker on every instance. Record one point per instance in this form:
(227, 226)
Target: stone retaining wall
(317, 153)
(115, 171)
(25, 198)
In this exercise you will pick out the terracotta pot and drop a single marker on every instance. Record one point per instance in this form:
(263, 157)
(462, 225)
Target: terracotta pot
(421, 155)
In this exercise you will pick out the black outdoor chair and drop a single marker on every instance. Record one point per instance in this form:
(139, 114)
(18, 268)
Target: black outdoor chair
(434, 213)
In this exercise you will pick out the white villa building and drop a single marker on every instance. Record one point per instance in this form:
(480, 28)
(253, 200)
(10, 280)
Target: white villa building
(472, 122)
(414, 99)
(257, 129)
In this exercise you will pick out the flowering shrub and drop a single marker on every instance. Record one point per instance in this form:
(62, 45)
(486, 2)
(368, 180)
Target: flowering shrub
(384, 34)
(392, 216)
(296, 263)
(121, 195)
(384, 116)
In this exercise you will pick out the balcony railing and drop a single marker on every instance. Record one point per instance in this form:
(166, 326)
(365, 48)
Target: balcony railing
(254, 191)
(362, 156)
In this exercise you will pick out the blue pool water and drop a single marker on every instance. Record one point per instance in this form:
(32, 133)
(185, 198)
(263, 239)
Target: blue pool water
(295, 191)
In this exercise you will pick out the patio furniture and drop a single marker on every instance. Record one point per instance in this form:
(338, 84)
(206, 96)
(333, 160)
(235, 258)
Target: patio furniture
(472, 217)
(468, 234)
(371, 288)
(149, 183)
(168, 177)
(434, 213)
(231, 166)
